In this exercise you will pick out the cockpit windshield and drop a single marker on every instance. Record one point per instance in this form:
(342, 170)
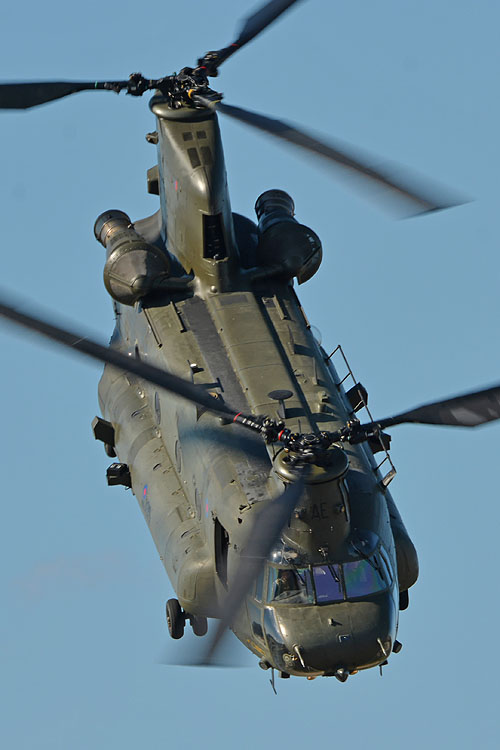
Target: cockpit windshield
(328, 583)
(363, 577)
(290, 585)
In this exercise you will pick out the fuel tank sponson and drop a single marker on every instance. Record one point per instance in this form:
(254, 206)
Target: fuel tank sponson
(133, 267)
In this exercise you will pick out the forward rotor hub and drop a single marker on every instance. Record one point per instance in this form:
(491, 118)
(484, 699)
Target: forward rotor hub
(189, 87)
(307, 448)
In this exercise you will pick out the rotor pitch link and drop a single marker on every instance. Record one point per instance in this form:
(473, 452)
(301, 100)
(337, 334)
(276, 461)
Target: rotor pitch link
(265, 426)
(309, 444)
(276, 432)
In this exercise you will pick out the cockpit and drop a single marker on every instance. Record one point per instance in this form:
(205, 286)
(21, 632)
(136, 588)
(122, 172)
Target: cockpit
(328, 583)
(290, 578)
(312, 614)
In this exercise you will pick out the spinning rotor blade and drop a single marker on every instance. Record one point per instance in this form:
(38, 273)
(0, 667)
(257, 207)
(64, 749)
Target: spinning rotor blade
(265, 531)
(154, 375)
(260, 20)
(246, 443)
(26, 95)
(468, 410)
(419, 201)
(191, 652)
(251, 27)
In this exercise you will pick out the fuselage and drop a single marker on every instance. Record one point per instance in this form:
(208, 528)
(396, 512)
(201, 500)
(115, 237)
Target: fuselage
(242, 335)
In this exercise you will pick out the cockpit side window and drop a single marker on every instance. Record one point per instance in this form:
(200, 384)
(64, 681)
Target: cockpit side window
(290, 586)
(386, 565)
(259, 585)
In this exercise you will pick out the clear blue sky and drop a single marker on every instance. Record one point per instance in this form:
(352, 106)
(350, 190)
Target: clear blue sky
(415, 304)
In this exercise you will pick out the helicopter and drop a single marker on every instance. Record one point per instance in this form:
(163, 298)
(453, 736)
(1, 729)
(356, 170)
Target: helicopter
(220, 310)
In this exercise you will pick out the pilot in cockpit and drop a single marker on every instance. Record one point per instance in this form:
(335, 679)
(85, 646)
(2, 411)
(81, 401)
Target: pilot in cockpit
(285, 585)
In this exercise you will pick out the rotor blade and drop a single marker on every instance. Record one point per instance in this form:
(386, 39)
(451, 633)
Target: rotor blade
(468, 410)
(260, 20)
(154, 375)
(26, 95)
(236, 441)
(191, 651)
(265, 531)
(251, 27)
(419, 200)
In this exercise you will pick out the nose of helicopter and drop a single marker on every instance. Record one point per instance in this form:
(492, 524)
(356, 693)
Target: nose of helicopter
(322, 639)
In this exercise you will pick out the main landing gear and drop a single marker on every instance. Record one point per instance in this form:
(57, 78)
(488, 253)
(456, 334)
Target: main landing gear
(176, 621)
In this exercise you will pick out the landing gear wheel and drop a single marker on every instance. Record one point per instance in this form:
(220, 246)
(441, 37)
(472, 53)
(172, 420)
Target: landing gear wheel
(109, 450)
(199, 625)
(175, 619)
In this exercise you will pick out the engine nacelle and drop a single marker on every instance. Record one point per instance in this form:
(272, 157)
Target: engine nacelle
(284, 242)
(133, 267)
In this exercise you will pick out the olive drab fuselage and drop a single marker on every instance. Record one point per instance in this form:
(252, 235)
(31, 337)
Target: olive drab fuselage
(223, 316)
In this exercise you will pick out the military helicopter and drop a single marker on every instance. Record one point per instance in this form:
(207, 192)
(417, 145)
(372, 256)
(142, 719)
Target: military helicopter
(311, 579)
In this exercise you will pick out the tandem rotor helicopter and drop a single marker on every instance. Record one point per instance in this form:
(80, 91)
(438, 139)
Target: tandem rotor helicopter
(267, 497)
